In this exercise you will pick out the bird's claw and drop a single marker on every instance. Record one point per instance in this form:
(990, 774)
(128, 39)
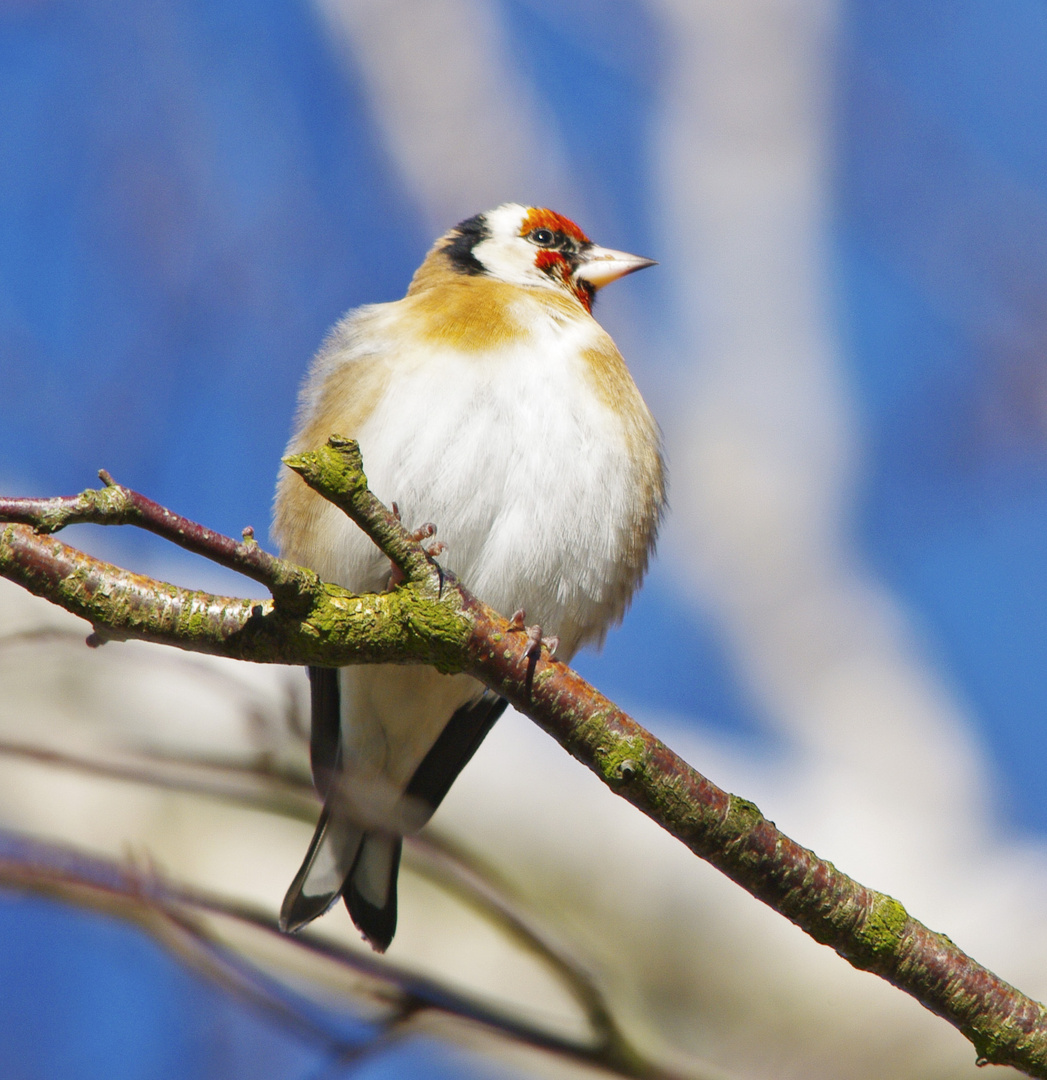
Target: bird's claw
(424, 532)
(535, 638)
(437, 547)
(420, 534)
(534, 642)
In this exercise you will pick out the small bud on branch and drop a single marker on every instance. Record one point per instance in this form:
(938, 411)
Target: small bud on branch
(431, 618)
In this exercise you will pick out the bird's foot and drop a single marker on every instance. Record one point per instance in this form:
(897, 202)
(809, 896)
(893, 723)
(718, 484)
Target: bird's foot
(424, 532)
(535, 638)
(421, 533)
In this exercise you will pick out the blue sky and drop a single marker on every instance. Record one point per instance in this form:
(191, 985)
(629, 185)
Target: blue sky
(192, 192)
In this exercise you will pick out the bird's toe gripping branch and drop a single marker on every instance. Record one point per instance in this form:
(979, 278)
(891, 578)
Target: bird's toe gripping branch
(432, 619)
(423, 532)
(535, 640)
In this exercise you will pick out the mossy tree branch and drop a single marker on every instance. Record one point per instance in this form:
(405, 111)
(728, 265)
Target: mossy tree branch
(431, 618)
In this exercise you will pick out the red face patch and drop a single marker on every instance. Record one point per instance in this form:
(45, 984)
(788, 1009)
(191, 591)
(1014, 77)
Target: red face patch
(540, 218)
(556, 265)
(552, 262)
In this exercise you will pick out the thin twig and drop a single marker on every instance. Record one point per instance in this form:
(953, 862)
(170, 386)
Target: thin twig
(446, 864)
(330, 627)
(338, 468)
(244, 787)
(428, 854)
(142, 896)
(115, 504)
(190, 939)
(434, 619)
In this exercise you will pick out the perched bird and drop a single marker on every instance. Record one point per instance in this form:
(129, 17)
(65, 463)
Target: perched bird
(489, 401)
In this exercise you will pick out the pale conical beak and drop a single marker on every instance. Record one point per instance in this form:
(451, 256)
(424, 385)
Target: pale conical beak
(600, 266)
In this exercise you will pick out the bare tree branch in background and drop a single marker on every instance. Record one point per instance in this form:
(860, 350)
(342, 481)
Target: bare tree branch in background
(187, 921)
(431, 618)
(171, 914)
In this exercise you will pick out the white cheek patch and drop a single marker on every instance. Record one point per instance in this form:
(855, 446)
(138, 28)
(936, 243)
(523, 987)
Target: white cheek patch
(505, 254)
(509, 261)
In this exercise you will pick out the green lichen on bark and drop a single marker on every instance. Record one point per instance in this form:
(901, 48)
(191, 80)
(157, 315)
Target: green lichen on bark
(883, 927)
(1005, 1042)
(741, 818)
(336, 471)
(616, 757)
(106, 505)
(402, 626)
(327, 625)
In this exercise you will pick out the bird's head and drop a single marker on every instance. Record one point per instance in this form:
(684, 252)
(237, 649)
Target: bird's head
(536, 248)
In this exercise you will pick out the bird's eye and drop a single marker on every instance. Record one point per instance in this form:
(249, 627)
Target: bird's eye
(543, 237)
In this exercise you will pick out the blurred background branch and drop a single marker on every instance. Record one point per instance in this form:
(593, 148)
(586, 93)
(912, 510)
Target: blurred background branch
(870, 930)
(171, 913)
(843, 343)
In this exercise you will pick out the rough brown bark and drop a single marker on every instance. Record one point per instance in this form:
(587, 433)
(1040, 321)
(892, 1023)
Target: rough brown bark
(433, 619)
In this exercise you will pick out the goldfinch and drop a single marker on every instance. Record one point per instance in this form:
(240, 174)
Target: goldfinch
(489, 401)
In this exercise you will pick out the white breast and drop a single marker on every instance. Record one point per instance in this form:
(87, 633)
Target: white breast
(521, 466)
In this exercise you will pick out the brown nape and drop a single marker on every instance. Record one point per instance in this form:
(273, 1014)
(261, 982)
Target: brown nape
(438, 268)
(476, 313)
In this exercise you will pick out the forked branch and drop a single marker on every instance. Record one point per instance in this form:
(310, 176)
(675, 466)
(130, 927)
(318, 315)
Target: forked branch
(434, 619)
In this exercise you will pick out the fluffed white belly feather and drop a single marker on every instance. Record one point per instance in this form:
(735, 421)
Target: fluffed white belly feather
(524, 477)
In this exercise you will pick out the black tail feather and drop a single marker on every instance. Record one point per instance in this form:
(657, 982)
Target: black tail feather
(431, 781)
(325, 732)
(301, 907)
(454, 748)
(377, 924)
